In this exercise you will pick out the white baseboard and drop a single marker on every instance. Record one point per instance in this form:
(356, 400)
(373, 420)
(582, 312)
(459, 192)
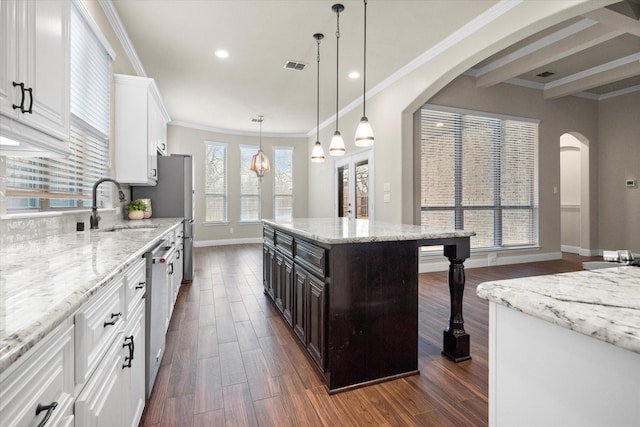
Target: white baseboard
(580, 251)
(224, 242)
(484, 261)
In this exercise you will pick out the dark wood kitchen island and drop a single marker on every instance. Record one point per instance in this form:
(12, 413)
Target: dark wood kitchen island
(349, 291)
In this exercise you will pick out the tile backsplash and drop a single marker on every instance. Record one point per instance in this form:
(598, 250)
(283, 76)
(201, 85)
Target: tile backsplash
(19, 229)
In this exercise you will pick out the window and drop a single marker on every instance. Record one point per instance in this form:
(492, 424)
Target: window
(38, 183)
(216, 181)
(479, 172)
(283, 183)
(249, 186)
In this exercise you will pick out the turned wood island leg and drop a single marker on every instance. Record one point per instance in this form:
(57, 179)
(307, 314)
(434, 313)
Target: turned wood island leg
(456, 341)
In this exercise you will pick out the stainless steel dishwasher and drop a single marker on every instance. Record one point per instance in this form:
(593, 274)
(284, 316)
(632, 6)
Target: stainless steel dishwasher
(159, 272)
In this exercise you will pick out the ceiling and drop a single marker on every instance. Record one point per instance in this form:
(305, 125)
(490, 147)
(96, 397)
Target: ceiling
(596, 55)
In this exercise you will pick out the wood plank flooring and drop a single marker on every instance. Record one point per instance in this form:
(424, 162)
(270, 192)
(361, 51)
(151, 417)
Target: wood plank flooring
(232, 361)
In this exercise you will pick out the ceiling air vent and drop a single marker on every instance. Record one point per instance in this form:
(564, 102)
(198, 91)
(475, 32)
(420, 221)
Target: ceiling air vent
(294, 65)
(545, 74)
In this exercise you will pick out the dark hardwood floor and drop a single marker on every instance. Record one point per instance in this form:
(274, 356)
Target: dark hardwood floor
(231, 360)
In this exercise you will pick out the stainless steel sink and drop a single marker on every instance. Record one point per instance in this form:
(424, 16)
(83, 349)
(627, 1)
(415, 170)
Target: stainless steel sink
(141, 227)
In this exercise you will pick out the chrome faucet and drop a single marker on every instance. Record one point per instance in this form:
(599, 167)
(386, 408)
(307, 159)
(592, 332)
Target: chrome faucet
(95, 218)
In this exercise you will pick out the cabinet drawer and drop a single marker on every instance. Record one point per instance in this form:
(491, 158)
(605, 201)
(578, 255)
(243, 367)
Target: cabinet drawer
(97, 323)
(136, 279)
(269, 236)
(44, 378)
(284, 244)
(312, 256)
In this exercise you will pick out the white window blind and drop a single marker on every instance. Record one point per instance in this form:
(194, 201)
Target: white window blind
(479, 172)
(215, 181)
(44, 183)
(249, 186)
(283, 183)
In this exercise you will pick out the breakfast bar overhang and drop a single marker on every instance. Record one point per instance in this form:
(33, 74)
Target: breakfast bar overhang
(348, 288)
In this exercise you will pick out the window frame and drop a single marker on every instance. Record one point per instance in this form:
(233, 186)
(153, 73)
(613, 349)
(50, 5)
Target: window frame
(224, 194)
(290, 195)
(498, 207)
(248, 151)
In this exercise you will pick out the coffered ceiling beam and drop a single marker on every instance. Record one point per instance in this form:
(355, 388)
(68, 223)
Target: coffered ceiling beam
(561, 44)
(615, 20)
(597, 76)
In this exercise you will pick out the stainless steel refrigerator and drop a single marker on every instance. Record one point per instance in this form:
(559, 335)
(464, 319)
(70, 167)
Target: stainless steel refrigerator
(172, 197)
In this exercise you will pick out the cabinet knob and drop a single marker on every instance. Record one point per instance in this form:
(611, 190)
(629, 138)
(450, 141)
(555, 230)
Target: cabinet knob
(49, 408)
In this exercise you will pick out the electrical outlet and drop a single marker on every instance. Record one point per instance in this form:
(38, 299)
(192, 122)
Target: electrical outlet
(231, 230)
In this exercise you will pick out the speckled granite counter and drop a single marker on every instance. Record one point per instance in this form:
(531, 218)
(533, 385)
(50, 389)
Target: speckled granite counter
(604, 304)
(44, 281)
(342, 230)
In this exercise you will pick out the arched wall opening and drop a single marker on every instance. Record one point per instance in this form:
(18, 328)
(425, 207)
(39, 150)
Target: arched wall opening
(575, 194)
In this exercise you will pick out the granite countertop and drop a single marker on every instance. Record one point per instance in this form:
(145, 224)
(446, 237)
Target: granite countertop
(604, 304)
(342, 230)
(44, 281)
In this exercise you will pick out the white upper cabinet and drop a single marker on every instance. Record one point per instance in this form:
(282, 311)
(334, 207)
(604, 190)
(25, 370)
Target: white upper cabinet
(140, 129)
(34, 75)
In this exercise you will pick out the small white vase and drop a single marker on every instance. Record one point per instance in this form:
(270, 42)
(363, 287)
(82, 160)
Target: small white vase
(136, 214)
(147, 213)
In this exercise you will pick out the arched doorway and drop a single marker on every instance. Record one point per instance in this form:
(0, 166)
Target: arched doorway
(575, 194)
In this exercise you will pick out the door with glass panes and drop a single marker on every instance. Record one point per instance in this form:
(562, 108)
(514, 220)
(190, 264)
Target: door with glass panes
(353, 184)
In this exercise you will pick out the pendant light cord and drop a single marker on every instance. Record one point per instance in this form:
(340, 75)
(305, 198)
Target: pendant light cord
(337, 60)
(318, 93)
(364, 73)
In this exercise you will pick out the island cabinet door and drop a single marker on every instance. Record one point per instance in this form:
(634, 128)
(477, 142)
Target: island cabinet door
(268, 261)
(316, 301)
(287, 289)
(278, 290)
(300, 305)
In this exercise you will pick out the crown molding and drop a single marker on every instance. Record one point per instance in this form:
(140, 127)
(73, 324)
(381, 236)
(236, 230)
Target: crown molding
(235, 132)
(121, 33)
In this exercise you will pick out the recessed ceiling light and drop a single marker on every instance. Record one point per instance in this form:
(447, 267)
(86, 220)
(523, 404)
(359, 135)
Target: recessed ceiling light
(221, 53)
(354, 75)
(439, 124)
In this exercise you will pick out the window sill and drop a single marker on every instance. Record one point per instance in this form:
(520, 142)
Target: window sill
(215, 223)
(47, 214)
(433, 253)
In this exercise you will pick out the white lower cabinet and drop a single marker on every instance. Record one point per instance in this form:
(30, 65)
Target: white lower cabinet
(40, 389)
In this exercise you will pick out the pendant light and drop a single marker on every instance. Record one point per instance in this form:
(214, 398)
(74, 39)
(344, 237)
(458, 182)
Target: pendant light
(317, 154)
(364, 132)
(260, 162)
(337, 143)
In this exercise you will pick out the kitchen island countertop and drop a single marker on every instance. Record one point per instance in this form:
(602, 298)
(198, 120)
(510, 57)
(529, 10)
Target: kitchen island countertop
(604, 304)
(343, 230)
(44, 281)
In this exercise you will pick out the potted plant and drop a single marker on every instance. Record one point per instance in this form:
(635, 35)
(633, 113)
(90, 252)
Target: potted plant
(136, 209)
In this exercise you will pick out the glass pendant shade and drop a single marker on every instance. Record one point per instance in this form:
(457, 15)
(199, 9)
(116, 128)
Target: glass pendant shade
(364, 133)
(317, 154)
(337, 147)
(260, 163)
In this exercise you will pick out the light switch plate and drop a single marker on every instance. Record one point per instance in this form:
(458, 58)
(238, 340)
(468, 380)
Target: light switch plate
(387, 198)
(387, 187)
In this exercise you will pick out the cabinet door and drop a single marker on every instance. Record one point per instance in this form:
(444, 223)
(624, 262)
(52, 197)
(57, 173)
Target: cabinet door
(268, 261)
(46, 72)
(101, 402)
(133, 369)
(43, 378)
(287, 289)
(35, 51)
(278, 286)
(154, 129)
(316, 297)
(299, 304)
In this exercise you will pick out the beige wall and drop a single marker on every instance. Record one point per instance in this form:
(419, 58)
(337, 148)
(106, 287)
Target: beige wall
(619, 160)
(185, 140)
